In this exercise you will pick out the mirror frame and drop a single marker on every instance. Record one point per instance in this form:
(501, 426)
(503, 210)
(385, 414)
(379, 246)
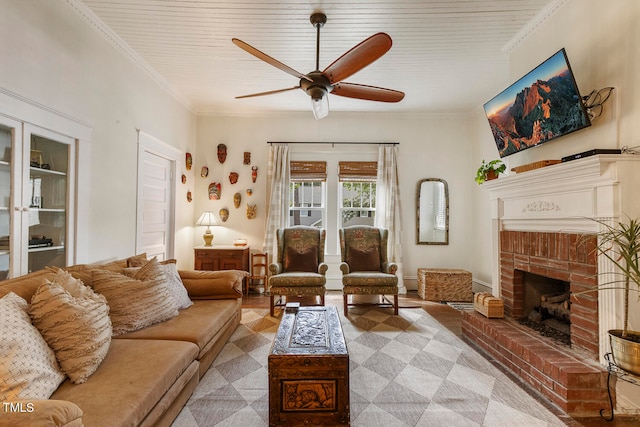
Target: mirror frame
(446, 196)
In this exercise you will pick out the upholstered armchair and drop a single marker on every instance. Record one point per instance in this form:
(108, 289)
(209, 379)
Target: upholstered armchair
(365, 269)
(299, 268)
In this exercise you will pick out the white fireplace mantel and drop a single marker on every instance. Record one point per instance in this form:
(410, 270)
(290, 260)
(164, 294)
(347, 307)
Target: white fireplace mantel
(566, 197)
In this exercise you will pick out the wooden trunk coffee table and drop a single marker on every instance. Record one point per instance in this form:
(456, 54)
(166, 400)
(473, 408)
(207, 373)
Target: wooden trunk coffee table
(309, 369)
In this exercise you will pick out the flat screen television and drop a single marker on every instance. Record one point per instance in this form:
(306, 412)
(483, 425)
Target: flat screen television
(543, 105)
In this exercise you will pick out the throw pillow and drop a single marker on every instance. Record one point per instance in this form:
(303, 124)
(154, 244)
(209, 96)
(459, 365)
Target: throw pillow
(173, 282)
(28, 367)
(134, 304)
(75, 322)
(305, 260)
(363, 260)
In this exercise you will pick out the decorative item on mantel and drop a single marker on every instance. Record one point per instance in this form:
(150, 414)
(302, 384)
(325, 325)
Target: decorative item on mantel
(490, 170)
(207, 218)
(535, 165)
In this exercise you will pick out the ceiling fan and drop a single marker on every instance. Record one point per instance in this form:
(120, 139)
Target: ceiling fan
(318, 84)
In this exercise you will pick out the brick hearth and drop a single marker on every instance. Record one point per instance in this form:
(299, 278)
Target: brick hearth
(569, 377)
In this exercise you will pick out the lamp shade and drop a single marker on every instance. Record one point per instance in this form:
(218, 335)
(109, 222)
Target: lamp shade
(207, 218)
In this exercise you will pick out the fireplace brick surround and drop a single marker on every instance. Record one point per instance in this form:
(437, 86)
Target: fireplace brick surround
(570, 377)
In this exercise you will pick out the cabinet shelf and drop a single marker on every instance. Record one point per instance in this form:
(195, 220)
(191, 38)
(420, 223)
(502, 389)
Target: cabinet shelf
(45, 248)
(38, 172)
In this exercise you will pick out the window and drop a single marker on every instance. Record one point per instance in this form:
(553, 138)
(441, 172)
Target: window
(307, 193)
(357, 193)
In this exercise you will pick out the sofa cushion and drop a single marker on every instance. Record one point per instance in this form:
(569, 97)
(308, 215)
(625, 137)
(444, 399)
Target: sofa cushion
(75, 322)
(28, 367)
(27, 285)
(213, 284)
(132, 379)
(199, 324)
(133, 303)
(172, 280)
(42, 413)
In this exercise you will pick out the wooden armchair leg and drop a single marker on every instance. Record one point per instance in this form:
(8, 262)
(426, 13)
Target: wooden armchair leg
(346, 305)
(395, 304)
(271, 302)
(322, 300)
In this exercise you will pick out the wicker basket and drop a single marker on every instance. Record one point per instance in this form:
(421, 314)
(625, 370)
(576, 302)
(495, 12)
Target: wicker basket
(443, 284)
(488, 305)
(535, 165)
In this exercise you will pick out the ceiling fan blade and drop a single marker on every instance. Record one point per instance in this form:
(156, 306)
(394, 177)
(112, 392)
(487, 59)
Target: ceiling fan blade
(358, 57)
(268, 93)
(269, 60)
(370, 93)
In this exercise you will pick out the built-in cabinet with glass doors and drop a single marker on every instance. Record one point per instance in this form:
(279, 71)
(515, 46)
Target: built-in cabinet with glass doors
(36, 177)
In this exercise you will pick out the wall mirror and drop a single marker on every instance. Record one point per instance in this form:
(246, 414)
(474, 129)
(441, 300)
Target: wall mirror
(432, 212)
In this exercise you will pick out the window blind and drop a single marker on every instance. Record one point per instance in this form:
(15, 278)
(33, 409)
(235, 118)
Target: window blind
(358, 171)
(308, 170)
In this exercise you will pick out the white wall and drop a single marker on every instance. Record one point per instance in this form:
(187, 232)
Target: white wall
(430, 147)
(51, 56)
(601, 41)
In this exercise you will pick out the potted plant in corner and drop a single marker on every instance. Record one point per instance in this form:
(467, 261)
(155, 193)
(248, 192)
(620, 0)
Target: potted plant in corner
(490, 170)
(620, 244)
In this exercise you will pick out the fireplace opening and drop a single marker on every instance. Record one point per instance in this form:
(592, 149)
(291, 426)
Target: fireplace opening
(547, 308)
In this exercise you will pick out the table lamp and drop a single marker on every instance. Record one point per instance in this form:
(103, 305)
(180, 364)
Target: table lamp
(207, 218)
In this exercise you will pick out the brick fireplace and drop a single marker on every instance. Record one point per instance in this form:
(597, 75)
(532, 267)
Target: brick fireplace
(563, 256)
(542, 224)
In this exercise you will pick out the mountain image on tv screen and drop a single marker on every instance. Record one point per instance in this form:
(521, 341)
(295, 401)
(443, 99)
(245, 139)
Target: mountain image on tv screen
(541, 106)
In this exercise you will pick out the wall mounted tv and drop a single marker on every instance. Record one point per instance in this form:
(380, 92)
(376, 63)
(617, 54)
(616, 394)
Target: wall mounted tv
(543, 105)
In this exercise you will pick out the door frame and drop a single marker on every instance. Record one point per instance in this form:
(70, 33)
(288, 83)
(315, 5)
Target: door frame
(151, 144)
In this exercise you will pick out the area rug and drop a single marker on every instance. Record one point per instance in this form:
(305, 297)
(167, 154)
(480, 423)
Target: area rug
(405, 370)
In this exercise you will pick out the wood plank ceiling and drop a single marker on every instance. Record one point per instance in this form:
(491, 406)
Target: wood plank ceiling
(447, 55)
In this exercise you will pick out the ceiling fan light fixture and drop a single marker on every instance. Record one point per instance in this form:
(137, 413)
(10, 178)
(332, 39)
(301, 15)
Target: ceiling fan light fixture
(320, 107)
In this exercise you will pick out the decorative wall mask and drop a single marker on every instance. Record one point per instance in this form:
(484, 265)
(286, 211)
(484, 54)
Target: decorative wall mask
(237, 198)
(249, 191)
(222, 153)
(204, 172)
(189, 198)
(184, 178)
(247, 158)
(251, 211)
(215, 191)
(233, 177)
(224, 214)
(254, 173)
(188, 161)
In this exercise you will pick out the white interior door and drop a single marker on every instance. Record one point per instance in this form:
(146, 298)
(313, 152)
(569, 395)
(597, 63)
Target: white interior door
(156, 199)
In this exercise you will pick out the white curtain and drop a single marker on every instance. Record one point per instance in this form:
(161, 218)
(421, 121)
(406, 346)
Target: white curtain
(388, 208)
(278, 188)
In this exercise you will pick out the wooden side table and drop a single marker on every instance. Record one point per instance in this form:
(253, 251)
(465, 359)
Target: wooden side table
(222, 257)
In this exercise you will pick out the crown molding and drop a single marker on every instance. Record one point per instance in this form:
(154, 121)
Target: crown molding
(547, 12)
(116, 41)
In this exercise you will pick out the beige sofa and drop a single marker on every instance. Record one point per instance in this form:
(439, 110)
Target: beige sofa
(147, 375)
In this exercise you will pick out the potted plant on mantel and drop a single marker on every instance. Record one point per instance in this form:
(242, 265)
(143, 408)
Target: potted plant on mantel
(490, 170)
(620, 244)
